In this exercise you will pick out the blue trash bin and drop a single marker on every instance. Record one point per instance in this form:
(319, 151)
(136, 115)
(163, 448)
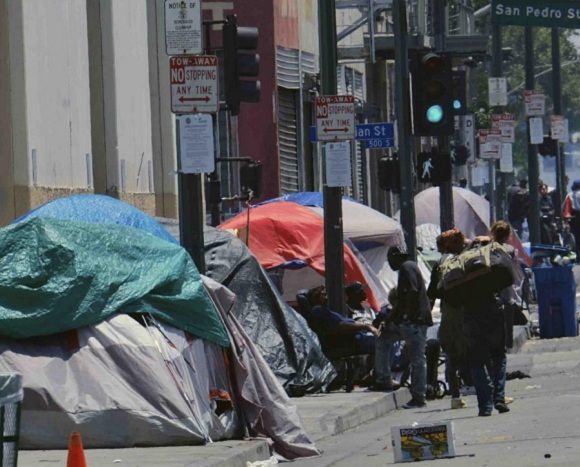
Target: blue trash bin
(556, 291)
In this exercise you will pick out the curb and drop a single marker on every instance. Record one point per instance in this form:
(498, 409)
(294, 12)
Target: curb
(253, 450)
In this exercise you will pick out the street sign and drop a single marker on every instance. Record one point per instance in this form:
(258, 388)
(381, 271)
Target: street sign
(497, 90)
(535, 103)
(335, 118)
(183, 27)
(467, 133)
(559, 128)
(506, 163)
(194, 84)
(196, 145)
(536, 130)
(553, 13)
(338, 164)
(489, 144)
(374, 135)
(506, 123)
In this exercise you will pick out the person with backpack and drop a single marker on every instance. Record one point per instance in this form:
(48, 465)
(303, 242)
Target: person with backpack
(518, 205)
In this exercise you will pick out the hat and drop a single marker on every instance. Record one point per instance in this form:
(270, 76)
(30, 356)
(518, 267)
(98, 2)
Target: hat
(354, 287)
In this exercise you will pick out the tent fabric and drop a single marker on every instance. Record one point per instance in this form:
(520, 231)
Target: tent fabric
(360, 223)
(114, 385)
(59, 275)
(267, 409)
(287, 232)
(98, 209)
(282, 336)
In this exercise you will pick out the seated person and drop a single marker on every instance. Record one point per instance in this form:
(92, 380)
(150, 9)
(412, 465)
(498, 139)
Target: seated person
(329, 323)
(356, 301)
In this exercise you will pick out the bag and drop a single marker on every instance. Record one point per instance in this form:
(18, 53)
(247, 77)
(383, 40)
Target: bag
(475, 273)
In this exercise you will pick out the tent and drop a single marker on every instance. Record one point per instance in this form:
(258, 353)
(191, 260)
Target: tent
(129, 358)
(289, 236)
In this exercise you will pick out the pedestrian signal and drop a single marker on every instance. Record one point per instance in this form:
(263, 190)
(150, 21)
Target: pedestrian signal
(388, 171)
(434, 167)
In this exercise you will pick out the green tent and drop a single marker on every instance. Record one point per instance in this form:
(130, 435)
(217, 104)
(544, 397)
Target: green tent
(59, 275)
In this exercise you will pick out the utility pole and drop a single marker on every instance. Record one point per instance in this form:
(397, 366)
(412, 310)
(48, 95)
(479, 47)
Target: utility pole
(496, 72)
(445, 188)
(533, 167)
(557, 97)
(332, 196)
(403, 125)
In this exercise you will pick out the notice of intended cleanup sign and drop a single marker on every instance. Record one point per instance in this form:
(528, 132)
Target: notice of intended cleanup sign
(338, 164)
(196, 146)
(183, 27)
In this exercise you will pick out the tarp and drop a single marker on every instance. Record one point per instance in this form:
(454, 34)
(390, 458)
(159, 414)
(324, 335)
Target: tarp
(286, 233)
(99, 209)
(282, 336)
(58, 275)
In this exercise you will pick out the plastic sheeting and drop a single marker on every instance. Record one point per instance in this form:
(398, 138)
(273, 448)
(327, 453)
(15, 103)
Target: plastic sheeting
(59, 275)
(282, 336)
(10, 389)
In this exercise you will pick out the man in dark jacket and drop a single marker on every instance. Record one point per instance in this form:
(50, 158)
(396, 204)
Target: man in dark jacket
(518, 205)
(408, 321)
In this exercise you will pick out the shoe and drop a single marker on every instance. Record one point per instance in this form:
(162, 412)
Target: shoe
(484, 413)
(389, 386)
(508, 400)
(457, 403)
(501, 407)
(414, 404)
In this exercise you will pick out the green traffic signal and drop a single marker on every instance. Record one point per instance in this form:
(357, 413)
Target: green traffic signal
(435, 113)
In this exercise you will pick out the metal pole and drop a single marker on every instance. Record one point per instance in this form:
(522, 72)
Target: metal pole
(533, 167)
(191, 212)
(447, 220)
(557, 97)
(402, 115)
(332, 196)
(495, 196)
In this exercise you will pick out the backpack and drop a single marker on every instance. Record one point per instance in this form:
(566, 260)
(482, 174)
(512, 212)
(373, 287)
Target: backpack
(475, 273)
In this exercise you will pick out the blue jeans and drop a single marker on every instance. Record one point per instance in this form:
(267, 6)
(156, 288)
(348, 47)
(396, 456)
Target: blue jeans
(414, 336)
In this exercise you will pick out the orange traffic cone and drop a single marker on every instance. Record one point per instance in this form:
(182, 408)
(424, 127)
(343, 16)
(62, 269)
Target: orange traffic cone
(76, 454)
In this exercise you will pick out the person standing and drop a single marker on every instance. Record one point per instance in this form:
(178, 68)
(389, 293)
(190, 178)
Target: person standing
(408, 321)
(571, 213)
(519, 206)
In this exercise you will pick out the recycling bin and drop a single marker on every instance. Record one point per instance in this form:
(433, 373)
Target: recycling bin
(11, 395)
(556, 293)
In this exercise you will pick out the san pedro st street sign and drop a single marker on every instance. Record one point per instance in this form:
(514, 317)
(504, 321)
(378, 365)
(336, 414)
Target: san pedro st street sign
(552, 13)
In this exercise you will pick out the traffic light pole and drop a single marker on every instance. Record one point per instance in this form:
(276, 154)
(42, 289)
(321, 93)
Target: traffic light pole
(533, 166)
(332, 196)
(447, 220)
(557, 97)
(495, 196)
(402, 114)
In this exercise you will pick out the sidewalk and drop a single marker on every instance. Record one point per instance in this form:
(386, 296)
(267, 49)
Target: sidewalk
(324, 416)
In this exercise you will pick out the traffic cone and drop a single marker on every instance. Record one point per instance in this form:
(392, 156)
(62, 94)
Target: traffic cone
(76, 454)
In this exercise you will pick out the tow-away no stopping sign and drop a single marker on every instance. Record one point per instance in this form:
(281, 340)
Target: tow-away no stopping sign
(194, 84)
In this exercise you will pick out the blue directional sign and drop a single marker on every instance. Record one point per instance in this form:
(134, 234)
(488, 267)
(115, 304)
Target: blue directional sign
(374, 135)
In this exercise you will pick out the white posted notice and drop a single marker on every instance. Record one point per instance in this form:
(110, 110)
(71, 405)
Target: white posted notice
(536, 130)
(338, 164)
(506, 163)
(196, 146)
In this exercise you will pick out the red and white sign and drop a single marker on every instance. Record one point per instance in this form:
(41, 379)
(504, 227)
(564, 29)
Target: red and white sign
(335, 118)
(490, 144)
(194, 84)
(535, 103)
(559, 128)
(506, 123)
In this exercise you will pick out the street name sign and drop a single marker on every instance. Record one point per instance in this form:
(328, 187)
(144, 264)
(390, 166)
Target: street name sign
(335, 118)
(196, 145)
(535, 103)
(194, 84)
(544, 13)
(183, 27)
(374, 135)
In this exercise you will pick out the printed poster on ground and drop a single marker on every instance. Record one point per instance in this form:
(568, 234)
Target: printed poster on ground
(423, 441)
(506, 123)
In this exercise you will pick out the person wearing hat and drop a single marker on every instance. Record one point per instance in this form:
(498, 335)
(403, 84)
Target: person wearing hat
(408, 321)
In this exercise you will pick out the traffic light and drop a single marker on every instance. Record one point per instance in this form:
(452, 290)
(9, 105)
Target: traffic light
(459, 93)
(432, 95)
(388, 171)
(251, 178)
(241, 64)
(549, 147)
